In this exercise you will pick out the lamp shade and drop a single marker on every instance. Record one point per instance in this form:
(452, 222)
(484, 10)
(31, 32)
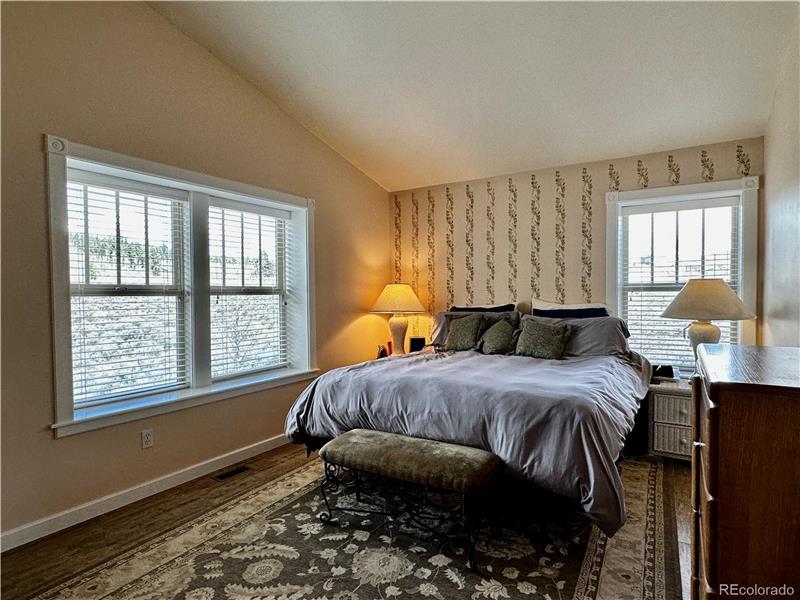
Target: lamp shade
(398, 298)
(707, 300)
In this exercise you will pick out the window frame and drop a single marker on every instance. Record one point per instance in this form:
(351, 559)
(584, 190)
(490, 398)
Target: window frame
(745, 189)
(62, 155)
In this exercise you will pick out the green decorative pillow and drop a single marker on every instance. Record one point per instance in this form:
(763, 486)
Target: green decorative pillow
(463, 333)
(541, 340)
(498, 338)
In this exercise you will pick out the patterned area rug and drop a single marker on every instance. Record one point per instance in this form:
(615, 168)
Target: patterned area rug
(268, 544)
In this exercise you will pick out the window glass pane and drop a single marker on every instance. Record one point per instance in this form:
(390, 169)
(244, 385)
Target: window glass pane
(252, 251)
(664, 246)
(639, 256)
(246, 333)
(232, 229)
(215, 248)
(718, 250)
(132, 242)
(690, 244)
(76, 218)
(164, 223)
(271, 242)
(125, 344)
(660, 340)
(102, 220)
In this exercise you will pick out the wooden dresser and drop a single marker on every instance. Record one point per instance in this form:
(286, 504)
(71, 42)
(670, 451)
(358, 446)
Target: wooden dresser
(745, 469)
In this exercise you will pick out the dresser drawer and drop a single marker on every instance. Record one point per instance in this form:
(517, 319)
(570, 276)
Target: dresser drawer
(672, 409)
(672, 439)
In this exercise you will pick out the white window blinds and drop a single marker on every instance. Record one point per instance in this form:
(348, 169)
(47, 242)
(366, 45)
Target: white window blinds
(247, 265)
(170, 288)
(127, 243)
(661, 247)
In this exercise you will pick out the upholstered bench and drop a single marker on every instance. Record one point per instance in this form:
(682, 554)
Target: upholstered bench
(428, 464)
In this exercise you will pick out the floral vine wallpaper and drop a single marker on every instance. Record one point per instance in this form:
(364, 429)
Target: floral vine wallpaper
(535, 234)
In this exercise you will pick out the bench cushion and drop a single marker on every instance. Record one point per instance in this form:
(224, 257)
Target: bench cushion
(426, 462)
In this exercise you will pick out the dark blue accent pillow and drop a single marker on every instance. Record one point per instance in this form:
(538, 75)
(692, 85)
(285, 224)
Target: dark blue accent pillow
(503, 308)
(570, 313)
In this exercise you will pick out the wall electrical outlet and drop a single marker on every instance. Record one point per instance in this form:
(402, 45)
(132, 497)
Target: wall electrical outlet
(147, 438)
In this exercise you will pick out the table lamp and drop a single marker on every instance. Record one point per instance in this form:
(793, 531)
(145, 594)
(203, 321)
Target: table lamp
(398, 299)
(702, 300)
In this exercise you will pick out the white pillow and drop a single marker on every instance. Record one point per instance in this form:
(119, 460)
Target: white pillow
(545, 305)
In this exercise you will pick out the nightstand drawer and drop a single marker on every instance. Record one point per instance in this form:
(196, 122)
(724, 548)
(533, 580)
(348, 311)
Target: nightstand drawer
(672, 439)
(672, 409)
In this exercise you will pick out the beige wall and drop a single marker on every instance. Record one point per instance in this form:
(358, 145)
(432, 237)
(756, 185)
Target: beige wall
(781, 209)
(575, 275)
(118, 76)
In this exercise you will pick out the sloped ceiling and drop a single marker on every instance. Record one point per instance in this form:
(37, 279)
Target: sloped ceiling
(422, 93)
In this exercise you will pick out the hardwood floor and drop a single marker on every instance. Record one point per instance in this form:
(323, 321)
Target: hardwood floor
(35, 567)
(39, 565)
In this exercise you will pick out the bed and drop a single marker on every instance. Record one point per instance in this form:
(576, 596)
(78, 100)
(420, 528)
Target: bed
(560, 424)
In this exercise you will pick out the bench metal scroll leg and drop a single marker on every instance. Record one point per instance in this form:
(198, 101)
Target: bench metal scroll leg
(329, 482)
(472, 563)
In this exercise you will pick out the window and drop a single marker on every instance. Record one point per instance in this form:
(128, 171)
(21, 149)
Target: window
(246, 257)
(170, 288)
(127, 288)
(658, 244)
(663, 248)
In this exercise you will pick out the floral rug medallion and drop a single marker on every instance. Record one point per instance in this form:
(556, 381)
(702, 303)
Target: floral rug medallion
(269, 544)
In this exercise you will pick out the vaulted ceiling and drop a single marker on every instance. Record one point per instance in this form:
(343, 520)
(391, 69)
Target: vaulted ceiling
(422, 93)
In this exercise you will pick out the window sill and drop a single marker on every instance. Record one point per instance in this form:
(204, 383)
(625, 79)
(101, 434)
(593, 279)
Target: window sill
(97, 417)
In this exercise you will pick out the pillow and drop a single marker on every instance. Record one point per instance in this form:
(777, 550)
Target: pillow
(495, 308)
(463, 334)
(491, 318)
(442, 322)
(571, 313)
(545, 305)
(542, 340)
(598, 336)
(497, 339)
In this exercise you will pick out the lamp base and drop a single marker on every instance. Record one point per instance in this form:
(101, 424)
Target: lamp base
(398, 326)
(702, 332)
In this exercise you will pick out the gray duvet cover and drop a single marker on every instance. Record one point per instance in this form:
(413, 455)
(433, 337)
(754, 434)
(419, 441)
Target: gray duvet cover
(560, 424)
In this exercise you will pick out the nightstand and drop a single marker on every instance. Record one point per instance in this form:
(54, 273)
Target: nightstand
(671, 419)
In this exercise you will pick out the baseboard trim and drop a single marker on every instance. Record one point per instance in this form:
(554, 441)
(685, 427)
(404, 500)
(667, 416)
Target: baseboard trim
(83, 512)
